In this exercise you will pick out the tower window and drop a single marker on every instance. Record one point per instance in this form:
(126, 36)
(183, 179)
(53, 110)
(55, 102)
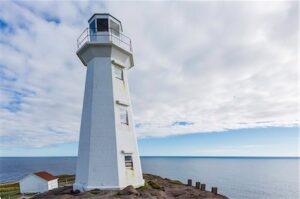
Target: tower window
(118, 73)
(128, 162)
(124, 116)
(102, 25)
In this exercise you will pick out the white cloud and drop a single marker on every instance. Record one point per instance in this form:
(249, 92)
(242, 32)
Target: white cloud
(218, 66)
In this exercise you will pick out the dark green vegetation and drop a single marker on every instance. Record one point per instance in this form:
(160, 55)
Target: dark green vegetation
(153, 185)
(143, 188)
(174, 181)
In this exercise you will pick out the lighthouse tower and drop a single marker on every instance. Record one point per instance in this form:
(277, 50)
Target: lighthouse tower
(108, 156)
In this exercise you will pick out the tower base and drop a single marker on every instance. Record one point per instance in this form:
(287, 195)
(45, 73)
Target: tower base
(83, 188)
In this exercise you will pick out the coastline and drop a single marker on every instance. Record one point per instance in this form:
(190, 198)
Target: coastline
(221, 172)
(155, 186)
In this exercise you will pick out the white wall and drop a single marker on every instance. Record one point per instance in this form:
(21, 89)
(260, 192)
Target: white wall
(100, 162)
(52, 184)
(33, 184)
(126, 137)
(97, 164)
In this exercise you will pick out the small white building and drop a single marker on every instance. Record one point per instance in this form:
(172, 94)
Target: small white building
(38, 182)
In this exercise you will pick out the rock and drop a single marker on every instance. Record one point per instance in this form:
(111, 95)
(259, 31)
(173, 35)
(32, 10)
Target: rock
(155, 187)
(75, 191)
(129, 190)
(95, 191)
(147, 195)
(157, 193)
(177, 193)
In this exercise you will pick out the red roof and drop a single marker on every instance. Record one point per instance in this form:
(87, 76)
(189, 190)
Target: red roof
(45, 175)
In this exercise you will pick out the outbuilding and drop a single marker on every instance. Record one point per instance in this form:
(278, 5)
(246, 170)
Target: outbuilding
(38, 182)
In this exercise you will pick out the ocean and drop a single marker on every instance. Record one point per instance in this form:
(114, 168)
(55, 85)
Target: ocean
(235, 177)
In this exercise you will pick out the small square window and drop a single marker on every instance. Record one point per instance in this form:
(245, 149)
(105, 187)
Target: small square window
(118, 73)
(128, 162)
(128, 158)
(124, 116)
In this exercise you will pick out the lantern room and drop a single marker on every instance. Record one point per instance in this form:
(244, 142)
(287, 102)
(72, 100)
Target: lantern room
(104, 28)
(104, 23)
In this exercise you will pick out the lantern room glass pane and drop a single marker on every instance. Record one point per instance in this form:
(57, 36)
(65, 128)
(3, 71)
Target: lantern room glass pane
(115, 28)
(102, 25)
(93, 27)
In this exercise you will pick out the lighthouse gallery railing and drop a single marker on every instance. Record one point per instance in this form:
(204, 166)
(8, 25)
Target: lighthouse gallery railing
(92, 35)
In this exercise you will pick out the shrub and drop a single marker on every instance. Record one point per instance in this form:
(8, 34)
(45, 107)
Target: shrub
(154, 185)
(143, 188)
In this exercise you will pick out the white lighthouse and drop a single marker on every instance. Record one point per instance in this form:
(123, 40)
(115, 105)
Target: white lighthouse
(108, 156)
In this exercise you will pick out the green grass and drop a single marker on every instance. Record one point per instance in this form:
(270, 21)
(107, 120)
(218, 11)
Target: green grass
(153, 185)
(143, 188)
(9, 190)
(10, 194)
(174, 181)
(8, 187)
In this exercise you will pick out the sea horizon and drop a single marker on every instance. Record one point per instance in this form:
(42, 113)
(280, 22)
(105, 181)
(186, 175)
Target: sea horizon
(256, 157)
(262, 177)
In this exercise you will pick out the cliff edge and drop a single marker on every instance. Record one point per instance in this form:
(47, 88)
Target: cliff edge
(155, 187)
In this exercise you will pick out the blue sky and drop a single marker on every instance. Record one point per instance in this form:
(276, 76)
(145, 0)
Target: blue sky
(217, 66)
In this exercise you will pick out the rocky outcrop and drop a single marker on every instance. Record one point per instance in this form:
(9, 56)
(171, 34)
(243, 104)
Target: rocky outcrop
(155, 188)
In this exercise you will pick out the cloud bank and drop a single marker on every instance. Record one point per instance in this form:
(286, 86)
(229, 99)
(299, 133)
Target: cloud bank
(200, 67)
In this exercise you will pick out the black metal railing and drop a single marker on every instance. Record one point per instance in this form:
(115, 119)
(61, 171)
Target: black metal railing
(114, 36)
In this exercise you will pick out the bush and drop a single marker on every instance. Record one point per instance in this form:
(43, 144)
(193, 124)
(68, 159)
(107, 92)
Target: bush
(143, 188)
(154, 185)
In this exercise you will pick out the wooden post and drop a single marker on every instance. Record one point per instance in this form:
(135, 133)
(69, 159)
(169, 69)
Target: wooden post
(190, 182)
(198, 185)
(203, 187)
(214, 190)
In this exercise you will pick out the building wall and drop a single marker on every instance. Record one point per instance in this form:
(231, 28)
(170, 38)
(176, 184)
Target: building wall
(100, 161)
(85, 131)
(33, 184)
(97, 156)
(52, 184)
(103, 161)
(126, 137)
